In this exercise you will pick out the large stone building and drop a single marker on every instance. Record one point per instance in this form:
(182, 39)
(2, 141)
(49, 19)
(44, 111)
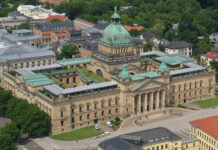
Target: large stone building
(71, 93)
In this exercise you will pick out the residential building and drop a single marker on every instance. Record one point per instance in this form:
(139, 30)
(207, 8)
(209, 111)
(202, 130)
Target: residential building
(152, 139)
(179, 47)
(210, 56)
(53, 2)
(122, 83)
(36, 12)
(50, 32)
(15, 18)
(82, 24)
(214, 39)
(206, 130)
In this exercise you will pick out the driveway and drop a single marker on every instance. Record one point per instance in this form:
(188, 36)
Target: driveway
(179, 125)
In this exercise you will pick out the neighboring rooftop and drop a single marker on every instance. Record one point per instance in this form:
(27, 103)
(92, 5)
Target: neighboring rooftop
(84, 22)
(212, 55)
(151, 53)
(149, 36)
(136, 140)
(178, 45)
(75, 61)
(208, 125)
(129, 28)
(54, 26)
(175, 59)
(101, 25)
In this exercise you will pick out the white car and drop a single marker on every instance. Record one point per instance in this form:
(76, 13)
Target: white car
(97, 127)
(106, 133)
(109, 124)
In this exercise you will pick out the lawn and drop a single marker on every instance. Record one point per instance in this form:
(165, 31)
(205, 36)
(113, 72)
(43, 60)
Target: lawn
(208, 103)
(79, 134)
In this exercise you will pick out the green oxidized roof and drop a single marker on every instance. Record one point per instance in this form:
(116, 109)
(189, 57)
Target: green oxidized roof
(37, 80)
(125, 72)
(115, 15)
(163, 66)
(144, 75)
(74, 61)
(115, 34)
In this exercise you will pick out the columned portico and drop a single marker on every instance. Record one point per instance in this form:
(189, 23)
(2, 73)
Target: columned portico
(144, 102)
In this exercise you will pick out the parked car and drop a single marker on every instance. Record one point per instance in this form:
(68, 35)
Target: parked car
(106, 133)
(97, 127)
(109, 124)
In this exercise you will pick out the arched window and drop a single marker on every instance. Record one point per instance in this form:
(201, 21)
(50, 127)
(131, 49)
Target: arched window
(87, 116)
(74, 79)
(109, 112)
(102, 104)
(102, 113)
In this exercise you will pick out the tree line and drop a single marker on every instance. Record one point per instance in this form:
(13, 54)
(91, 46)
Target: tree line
(25, 118)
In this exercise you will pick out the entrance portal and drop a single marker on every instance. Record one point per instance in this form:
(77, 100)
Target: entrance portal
(99, 72)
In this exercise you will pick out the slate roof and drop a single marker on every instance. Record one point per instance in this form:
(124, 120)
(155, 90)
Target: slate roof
(136, 140)
(54, 26)
(178, 45)
(149, 36)
(101, 25)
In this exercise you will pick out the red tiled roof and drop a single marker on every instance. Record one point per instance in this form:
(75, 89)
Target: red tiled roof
(129, 28)
(208, 125)
(211, 55)
(61, 18)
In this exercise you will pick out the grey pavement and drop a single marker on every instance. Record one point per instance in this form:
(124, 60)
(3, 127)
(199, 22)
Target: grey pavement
(3, 121)
(179, 125)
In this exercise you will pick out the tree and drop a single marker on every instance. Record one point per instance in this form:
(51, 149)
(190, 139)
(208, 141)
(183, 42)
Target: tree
(5, 96)
(11, 130)
(55, 20)
(6, 143)
(24, 26)
(148, 46)
(134, 32)
(161, 47)
(68, 51)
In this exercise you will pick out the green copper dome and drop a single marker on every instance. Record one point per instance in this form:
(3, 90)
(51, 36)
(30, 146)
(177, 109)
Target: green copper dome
(115, 34)
(125, 72)
(163, 66)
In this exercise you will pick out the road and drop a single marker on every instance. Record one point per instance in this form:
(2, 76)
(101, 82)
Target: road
(179, 125)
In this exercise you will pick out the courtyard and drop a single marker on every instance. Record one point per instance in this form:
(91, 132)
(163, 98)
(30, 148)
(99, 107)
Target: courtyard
(208, 103)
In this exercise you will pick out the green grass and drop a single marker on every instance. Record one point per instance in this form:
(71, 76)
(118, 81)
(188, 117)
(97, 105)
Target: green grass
(79, 134)
(180, 106)
(208, 103)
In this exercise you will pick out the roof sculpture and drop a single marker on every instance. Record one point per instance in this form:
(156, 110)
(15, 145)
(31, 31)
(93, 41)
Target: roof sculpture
(125, 72)
(163, 67)
(115, 34)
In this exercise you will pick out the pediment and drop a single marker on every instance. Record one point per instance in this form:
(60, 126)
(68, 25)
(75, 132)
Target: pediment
(146, 84)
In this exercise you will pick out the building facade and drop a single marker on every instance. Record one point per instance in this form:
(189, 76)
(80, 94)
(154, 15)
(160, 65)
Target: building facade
(114, 82)
(179, 47)
(206, 130)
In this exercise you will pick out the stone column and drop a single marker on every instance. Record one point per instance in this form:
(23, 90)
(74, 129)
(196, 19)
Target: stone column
(163, 99)
(145, 102)
(151, 101)
(157, 100)
(139, 104)
(133, 104)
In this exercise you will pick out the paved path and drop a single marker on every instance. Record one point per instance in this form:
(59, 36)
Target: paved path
(179, 125)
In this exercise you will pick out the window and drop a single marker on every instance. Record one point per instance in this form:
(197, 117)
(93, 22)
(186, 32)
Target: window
(80, 118)
(15, 66)
(33, 63)
(109, 111)
(80, 108)
(95, 114)
(157, 147)
(116, 110)
(67, 81)
(102, 113)
(62, 123)
(72, 119)
(87, 107)
(72, 110)
(38, 63)
(109, 103)
(27, 64)
(49, 62)
(95, 106)
(166, 146)
(44, 62)
(102, 104)
(74, 79)
(88, 116)
(62, 113)
(116, 101)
